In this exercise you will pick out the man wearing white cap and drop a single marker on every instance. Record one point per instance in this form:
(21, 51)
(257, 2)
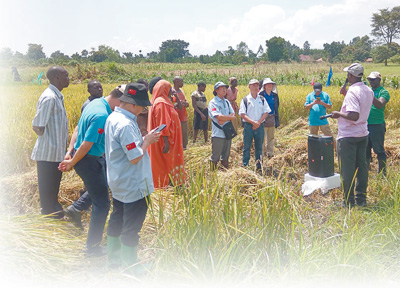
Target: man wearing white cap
(352, 139)
(376, 121)
(253, 111)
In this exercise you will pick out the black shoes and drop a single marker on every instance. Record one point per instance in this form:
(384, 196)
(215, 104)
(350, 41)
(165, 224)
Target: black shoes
(95, 251)
(74, 215)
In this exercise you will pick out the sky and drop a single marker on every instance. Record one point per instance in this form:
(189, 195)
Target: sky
(208, 25)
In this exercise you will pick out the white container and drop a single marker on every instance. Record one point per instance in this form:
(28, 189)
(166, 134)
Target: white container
(325, 184)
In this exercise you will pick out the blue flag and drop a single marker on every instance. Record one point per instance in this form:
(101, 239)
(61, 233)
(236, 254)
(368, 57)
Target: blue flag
(328, 82)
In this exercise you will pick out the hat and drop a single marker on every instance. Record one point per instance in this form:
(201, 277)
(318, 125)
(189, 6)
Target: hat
(269, 81)
(355, 69)
(217, 85)
(136, 93)
(121, 88)
(374, 75)
(253, 81)
(317, 87)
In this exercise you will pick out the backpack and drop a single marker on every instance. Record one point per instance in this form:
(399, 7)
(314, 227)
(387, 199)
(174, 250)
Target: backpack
(245, 102)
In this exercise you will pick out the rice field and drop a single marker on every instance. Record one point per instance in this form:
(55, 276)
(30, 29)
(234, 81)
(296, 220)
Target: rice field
(226, 228)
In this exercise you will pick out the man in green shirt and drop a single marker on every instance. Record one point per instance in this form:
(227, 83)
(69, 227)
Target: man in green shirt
(376, 121)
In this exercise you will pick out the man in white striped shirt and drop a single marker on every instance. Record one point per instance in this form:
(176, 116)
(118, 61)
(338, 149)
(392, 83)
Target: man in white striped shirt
(51, 126)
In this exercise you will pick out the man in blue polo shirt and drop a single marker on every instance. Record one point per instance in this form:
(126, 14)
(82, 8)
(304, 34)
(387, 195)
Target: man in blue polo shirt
(317, 102)
(220, 112)
(89, 163)
(129, 175)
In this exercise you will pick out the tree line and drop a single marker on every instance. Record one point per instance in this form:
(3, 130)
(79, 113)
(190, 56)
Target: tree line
(385, 28)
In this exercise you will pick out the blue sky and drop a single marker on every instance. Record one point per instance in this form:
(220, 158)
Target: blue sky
(130, 26)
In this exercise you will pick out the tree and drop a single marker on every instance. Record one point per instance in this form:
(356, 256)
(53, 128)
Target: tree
(6, 55)
(84, 53)
(382, 53)
(58, 57)
(260, 51)
(35, 52)
(306, 47)
(171, 50)
(386, 26)
(334, 49)
(276, 49)
(242, 48)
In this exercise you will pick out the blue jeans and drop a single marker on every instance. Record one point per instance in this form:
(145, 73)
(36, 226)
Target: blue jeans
(248, 135)
(92, 170)
(83, 203)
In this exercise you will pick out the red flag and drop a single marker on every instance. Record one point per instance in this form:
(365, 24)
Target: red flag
(131, 146)
(313, 81)
(100, 131)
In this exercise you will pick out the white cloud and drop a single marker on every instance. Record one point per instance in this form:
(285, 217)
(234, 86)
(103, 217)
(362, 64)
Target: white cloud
(317, 24)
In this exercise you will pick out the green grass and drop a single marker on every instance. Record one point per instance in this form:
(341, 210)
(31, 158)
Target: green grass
(230, 227)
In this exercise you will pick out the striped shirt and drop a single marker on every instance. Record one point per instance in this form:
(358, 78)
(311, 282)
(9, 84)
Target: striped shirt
(50, 114)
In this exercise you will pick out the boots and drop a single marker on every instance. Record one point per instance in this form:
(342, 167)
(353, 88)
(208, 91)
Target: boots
(225, 163)
(382, 167)
(113, 252)
(129, 259)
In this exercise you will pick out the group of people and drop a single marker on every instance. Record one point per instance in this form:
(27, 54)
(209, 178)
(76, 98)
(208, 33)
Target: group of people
(361, 128)
(133, 145)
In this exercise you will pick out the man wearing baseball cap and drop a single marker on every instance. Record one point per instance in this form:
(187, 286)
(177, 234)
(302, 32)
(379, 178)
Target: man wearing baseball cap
(317, 102)
(129, 175)
(352, 139)
(89, 163)
(253, 111)
(376, 121)
(220, 112)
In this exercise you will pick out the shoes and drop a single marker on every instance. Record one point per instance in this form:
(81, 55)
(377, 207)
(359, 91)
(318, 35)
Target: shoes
(361, 204)
(95, 251)
(347, 205)
(74, 215)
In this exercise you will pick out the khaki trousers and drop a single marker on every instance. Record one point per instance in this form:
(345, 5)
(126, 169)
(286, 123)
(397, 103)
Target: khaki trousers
(269, 137)
(326, 130)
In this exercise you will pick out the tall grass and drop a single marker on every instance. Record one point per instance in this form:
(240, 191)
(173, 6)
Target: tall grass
(233, 227)
(18, 106)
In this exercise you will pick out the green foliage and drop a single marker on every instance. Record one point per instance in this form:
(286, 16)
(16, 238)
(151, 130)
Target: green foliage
(35, 52)
(277, 50)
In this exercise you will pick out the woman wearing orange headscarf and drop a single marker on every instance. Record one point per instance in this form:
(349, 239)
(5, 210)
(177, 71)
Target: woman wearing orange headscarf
(166, 155)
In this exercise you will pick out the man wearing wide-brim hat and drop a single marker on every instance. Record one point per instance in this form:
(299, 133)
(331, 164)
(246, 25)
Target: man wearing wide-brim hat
(129, 175)
(376, 121)
(352, 138)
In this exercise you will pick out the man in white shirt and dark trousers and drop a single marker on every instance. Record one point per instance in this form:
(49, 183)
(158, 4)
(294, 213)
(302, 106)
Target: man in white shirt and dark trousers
(253, 111)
